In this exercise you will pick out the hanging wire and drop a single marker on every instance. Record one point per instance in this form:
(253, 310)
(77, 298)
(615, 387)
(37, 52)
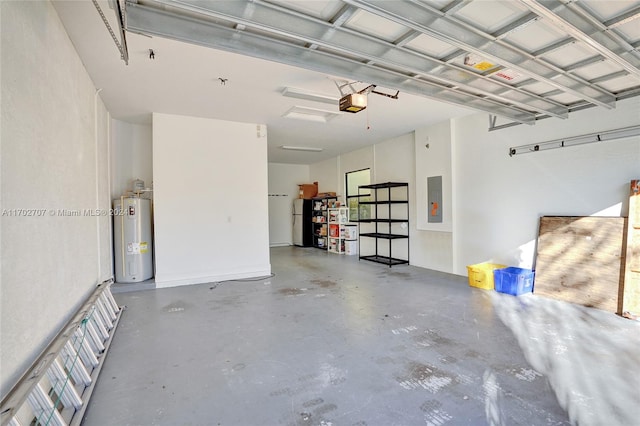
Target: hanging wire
(368, 122)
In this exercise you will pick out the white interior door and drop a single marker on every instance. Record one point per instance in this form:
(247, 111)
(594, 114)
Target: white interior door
(280, 220)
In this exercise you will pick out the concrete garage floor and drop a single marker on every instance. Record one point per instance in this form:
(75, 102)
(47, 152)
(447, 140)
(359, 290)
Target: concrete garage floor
(330, 340)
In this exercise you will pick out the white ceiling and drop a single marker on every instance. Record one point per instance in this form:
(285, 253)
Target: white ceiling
(513, 59)
(183, 80)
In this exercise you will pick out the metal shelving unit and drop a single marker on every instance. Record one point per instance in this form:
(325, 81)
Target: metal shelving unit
(338, 218)
(320, 221)
(386, 221)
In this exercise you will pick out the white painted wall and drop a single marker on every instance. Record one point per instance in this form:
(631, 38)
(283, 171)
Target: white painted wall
(433, 160)
(360, 159)
(326, 174)
(394, 160)
(283, 189)
(54, 133)
(498, 199)
(210, 200)
(131, 156)
(432, 242)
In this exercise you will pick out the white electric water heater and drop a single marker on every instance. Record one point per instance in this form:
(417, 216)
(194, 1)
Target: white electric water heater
(133, 244)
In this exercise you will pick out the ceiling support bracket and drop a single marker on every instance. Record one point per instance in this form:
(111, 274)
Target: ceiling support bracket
(122, 47)
(492, 121)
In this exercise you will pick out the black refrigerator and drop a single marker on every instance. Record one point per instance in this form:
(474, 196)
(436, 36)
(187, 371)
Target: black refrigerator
(302, 225)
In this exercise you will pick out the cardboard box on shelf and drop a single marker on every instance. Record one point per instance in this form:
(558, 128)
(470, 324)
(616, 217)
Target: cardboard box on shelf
(308, 190)
(325, 194)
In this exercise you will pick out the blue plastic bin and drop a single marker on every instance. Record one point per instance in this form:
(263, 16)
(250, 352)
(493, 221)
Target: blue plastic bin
(514, 281)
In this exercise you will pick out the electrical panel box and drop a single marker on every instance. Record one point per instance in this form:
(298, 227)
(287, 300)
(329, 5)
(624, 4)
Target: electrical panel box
(434, 199)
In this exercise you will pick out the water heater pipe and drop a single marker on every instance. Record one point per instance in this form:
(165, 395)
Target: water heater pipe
(122, 234)
(97, 145)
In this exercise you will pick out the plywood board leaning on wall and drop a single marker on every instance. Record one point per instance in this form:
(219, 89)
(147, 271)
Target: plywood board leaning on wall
(629, 298)
(579, 260)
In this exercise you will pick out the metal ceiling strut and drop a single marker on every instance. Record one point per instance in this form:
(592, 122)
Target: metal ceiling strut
(577, 26)
(282, 21)
(338, 45)
(122, 47)
(414, 14)
(208, 28)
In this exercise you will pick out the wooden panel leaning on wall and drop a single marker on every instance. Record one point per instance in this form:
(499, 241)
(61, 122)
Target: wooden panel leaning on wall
(580, 260)
(629, 296)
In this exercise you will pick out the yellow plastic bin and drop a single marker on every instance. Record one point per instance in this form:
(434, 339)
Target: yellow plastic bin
(481, 274)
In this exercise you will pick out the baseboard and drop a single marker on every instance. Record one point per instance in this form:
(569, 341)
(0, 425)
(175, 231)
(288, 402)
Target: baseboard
(164, 283)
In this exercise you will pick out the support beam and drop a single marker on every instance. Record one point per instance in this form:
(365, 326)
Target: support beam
(371, 51)
(455, 32)
(623, 18)
(155, 21)
(568, 22)
(515, 25)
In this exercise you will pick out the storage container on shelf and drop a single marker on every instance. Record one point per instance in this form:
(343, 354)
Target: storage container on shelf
(351, 232)
(350, 247)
